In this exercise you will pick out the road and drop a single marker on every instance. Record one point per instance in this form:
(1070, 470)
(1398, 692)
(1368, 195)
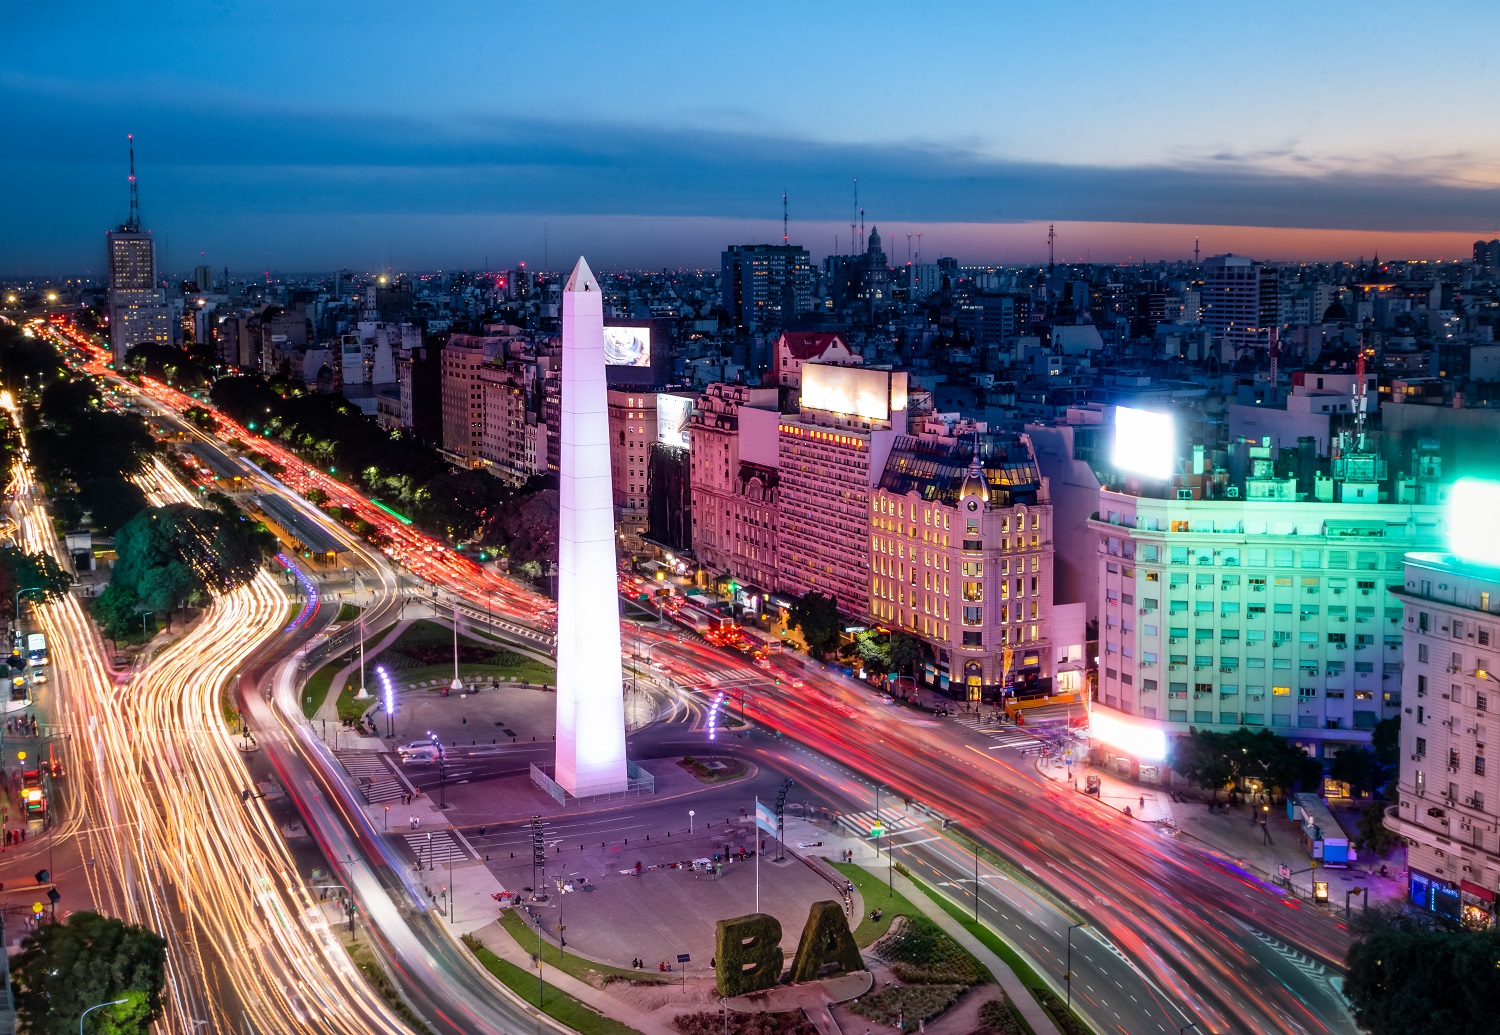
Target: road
(1194, 932)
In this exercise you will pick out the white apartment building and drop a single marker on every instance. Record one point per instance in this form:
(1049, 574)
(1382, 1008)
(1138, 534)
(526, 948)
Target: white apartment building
(1261, 612)
(1448, 805)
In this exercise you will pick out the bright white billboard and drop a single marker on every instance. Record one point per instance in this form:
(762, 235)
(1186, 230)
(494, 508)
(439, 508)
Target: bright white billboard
(672, 413)
(1145, 443)
(627, 346)
(1472, 506)
(849, 390)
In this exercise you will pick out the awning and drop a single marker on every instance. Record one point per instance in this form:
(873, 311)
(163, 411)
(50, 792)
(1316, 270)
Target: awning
(1469, 887)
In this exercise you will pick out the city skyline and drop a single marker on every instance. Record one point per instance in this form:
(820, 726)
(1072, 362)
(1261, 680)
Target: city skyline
(467, 145)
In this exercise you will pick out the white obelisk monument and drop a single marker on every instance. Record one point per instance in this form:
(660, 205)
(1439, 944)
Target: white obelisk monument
(590, 682)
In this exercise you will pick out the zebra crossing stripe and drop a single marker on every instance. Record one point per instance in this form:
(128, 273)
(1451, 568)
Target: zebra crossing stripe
(1303, 962)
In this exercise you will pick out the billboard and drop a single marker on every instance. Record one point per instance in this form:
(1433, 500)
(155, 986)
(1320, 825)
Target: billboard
(1145, 443)
(627, 346)
(672, 413)
(1472, 504)
(854, 391)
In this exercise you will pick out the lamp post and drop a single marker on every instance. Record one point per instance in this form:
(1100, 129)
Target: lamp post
(28, 589)
(457, 685)
(100, 1006)
(442, 761)
(1070, 963)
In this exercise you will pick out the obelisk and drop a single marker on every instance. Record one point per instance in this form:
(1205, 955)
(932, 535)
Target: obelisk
(590, 682)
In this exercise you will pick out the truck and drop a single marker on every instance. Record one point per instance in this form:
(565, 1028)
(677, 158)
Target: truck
(36, 649)
(32, 795)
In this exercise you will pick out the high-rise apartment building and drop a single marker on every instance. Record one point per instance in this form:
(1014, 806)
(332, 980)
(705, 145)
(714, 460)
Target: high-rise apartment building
(766, 285)
(1267, 611)
(832, 453)
(515, 440)
(1448, 801)
(1232, 298)
(734, 433)
(632, 432)
(961, 557)
(463, 400)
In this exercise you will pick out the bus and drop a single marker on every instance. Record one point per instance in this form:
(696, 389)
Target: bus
(36, 649)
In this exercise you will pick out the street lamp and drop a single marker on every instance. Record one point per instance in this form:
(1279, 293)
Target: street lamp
(457, 684)
(363, 693)
(691, 814)
(115, 1002)
(442, 761)
(1070, 963)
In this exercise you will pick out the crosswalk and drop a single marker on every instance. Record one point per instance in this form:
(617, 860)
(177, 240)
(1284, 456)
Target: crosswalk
(442, 849)
(1003, 736)
(892, 821)
(372, 775)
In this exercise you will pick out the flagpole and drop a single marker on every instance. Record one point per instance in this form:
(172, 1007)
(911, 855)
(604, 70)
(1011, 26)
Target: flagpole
(757, 853)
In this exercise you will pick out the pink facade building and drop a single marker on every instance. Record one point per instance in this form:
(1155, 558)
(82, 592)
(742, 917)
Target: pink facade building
(734, 478)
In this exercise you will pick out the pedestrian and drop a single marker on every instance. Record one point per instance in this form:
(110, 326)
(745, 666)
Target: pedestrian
(1143, 803)
(466, 722)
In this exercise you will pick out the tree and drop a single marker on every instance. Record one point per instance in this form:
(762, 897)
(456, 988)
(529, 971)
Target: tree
(816, 615)
(115, 611)
(1374, 836)
(906, 653)
(1359, 768)
(35, 571)
(1202, 758)
(64, 968)
(170, 556)
(1424, 982)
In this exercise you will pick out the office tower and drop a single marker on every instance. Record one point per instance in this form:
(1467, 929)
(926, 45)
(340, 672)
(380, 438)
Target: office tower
(1231, 298)
(766, 285)
(590, 702)
(137, 309)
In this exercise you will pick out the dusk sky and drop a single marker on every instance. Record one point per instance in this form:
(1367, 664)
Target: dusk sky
(312, 136)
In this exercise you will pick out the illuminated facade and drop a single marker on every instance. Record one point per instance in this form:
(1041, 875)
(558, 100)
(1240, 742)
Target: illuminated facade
(137, 311)
(961, 558)
(632, 431)
(463, 401)
(1262, 612)
(733, 433)
(829, 463)
(590, 701)
(1448, 800)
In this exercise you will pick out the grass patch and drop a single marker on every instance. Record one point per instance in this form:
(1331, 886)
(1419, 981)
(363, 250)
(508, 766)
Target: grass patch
(909, 1003)
(350, 708)
(728, 769)
(523, 671)
(558, 1005)
(596, 974)
(348, 612)
(891, 904)
(315, 692)
(922, 953)
(376, 977)
(1039, 989)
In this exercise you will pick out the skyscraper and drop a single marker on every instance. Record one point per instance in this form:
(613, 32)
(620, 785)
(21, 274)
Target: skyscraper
(137, 310)
(1231, 298)
(766, 285)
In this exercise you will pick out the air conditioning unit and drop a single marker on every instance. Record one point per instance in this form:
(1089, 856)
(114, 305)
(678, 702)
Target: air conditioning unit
(1415, 757)
(1232, 493)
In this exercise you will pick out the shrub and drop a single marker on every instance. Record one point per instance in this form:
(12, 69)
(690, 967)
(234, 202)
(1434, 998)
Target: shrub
(921, 954)
(794, 1022)
(999, 1017)
(910, 1003)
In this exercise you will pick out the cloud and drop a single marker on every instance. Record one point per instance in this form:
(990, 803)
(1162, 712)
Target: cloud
(229, 160)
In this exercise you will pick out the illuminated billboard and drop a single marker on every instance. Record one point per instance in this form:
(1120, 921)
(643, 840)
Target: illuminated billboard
(627, 346)
(1146, 743)
(1145, 443)
(1472, 506)
(672, 413)
(854, 391)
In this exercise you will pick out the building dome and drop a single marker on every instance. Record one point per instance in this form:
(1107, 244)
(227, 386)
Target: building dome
(975, 491)
(874, 239)
(1335, 313)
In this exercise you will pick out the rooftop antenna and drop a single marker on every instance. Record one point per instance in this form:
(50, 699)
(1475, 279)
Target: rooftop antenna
(1051, 246)
(855, 213)
(919, 248)
(1359, 395)
(133, 224)
(908, 249)
(784, 238)
(1275, 358)
(862, 239)
(1195, 251)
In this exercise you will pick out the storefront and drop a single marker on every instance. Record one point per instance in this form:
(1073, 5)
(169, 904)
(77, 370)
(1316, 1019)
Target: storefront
(1478, 905)
(1435, 895)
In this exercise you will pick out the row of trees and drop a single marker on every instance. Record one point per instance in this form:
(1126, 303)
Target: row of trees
(65, 968)
(816, 616)
(1215, 761)
(1411, 976)
(396, 468)
(174, 556)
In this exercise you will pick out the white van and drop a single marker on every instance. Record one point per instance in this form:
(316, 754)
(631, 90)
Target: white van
(418, 755)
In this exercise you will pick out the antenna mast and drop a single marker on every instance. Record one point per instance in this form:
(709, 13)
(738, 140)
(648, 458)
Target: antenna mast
(133, 224)
(1275, 359)
(1051, 246)
(1359, 395)
(1195, 251)
(784, 237)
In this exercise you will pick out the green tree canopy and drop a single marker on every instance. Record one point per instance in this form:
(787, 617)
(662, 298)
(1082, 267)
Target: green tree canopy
(816, 616)
(64, 968)
(905, 653)
(38, 571)
(170, 556)
(1215, 761)
(1425, 982)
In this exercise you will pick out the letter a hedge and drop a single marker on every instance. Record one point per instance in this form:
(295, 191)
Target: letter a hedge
(825, 940)
(749, 956)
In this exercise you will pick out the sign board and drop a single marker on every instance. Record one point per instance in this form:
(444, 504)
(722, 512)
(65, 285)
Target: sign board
(683, 957)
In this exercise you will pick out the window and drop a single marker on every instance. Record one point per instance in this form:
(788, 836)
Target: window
(1422, 653)
(1421, 747)
(1281, 691)
(973, 616)
(1482, 703)
(1478, 765)
(1421, 686)
(973, 639)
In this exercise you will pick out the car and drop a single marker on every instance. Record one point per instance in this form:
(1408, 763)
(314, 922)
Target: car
(38, 675)
(418, 756)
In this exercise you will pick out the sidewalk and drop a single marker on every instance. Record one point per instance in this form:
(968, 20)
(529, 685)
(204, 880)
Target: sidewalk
(1235, 836)
(329, 711)
(498, 941)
